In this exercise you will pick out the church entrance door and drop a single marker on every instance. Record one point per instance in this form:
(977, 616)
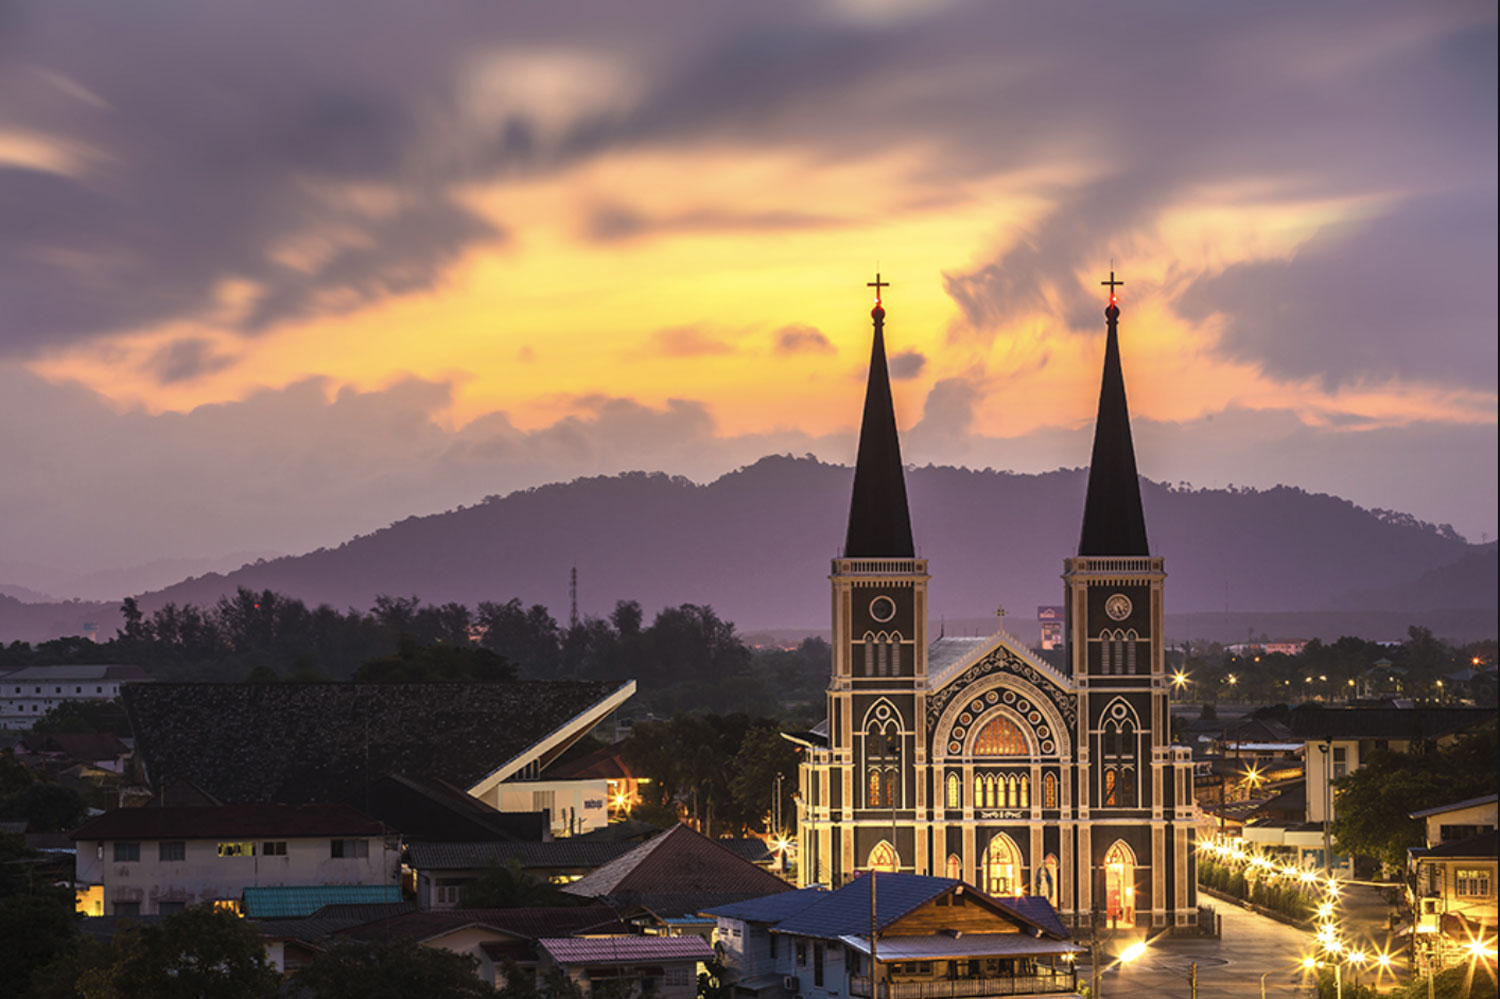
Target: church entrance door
(1119, 885)
(1001, 867)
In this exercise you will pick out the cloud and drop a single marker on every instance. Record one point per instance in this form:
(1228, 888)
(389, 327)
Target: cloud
(616, 223)
(907, 364)
(1390, 297)
(185, 359)
(798, 339)
(686, 341)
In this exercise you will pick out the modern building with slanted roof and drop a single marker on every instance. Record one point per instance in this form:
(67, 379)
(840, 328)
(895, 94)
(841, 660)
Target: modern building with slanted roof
(933, 938)
(323, 742)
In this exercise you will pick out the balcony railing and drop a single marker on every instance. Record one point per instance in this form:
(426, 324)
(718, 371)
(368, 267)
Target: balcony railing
(970, 988)
(1124, 565)
(879, 566)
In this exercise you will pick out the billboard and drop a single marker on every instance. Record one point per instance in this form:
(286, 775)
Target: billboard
(1051, 620)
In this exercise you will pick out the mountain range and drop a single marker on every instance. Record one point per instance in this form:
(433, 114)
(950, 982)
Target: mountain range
(756, 543)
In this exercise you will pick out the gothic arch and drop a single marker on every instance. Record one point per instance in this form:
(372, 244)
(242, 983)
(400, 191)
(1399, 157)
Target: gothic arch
(883, 857)
(1045, 885)
(1060, 731)
(1001, 871)
(955, 867)
(873, 715)
(1119, 884)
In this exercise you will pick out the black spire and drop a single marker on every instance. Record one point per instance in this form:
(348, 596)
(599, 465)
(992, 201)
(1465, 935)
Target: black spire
(1113, 523)
(879, 524)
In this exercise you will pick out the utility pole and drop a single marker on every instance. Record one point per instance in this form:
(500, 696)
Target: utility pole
(874, 962)
(1094, 950)
(1193, 983)
(573, 599)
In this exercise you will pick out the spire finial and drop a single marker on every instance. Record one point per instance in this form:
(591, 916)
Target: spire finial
(1113, 284)
(877, 284)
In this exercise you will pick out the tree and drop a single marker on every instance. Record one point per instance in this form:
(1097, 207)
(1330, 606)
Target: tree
(1374, 803)
(46, 807)
(508, 886)
(762, 757)
(37, 930)
(85, 716)
(194, 953)
(415, 663)
(390, 970)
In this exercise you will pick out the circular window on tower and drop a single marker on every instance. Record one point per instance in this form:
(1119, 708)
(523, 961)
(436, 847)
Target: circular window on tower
(1117, 607)
(882, 609)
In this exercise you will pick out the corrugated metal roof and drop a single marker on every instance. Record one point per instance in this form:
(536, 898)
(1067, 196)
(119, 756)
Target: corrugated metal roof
(939, 946)
(770, 908)
(297, 901)
(848, 909)
(1455, 806)
(556, 853)
(1038, 910)
(210, 822)
(625, 949)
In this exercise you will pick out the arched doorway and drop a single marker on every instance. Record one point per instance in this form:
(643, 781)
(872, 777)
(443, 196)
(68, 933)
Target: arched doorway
(1000, 867)
(883, 858)
(955, 867)
(1119, 885)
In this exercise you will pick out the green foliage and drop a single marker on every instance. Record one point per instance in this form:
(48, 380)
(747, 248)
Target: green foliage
(194, 953)
(523, 984)
(763, 755)
(46, 807)
(415, 663)
(1374, 802)
(37, 930)
(711, 981)
(1465, 981)
(508, 886)
(85, 716)
(390, 970)
(1328, 987)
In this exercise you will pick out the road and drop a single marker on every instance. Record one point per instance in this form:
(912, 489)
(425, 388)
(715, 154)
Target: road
(1228, 968)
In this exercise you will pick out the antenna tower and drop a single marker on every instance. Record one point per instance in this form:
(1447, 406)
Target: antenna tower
(573, 598)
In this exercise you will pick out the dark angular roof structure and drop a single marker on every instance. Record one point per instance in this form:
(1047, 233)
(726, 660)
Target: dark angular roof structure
(529, 923)
(432, 810)
(679, 862)
(1313, 722)
(1113, 522)
(879, 521)
(1485, 846)
(208, 822)
(770, 908)
(301, 742)
(571, 852)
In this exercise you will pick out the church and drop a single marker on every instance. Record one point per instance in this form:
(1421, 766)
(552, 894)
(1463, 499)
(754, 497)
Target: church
(973, 758)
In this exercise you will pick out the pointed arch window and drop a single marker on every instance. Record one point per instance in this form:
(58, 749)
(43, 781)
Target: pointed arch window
(955, 791)
(883, 656)
(1025, 800)
(874, 790)
(1130, 644)
(1049, 791)
(869, 654)
(894, 642)
(1001, 871)
(883, 858)
(955, 867)
(1001, 737)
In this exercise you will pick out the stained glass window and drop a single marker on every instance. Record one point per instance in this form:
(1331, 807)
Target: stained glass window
(1000, 737)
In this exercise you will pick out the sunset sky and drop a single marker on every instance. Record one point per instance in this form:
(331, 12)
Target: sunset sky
(275, 273)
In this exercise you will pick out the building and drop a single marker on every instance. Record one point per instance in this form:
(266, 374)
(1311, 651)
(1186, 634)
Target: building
(629, 966)
(934, 938)
(326, 742)
(1451, 880)
(976, 759)
(443, 870)
(1051, 619)
(156, 861)
(29, 693)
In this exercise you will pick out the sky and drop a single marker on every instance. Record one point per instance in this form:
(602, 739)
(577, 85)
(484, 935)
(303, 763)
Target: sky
(273, 274)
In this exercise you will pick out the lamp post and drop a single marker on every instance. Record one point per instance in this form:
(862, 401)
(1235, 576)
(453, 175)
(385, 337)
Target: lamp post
(1323, 749)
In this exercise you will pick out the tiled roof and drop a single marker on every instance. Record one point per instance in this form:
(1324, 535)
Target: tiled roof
(88, 746)
(525, 923)
(770, 908)
(848, 910)
(1455, 806)
(229, 820)
(1037, 911)
(1486, 846)
(1315, 723)
(295, 901)
(626, 949)
(68, 674)
(555, 853)
(752, 848)
(679, 861)
(673, 904)
(322, 741)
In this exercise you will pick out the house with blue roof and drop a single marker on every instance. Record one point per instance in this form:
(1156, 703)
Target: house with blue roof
(895, 936)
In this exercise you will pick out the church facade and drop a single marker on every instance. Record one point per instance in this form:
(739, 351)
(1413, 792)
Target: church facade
(975, 759)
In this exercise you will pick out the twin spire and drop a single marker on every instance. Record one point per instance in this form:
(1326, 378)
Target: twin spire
(879, 521)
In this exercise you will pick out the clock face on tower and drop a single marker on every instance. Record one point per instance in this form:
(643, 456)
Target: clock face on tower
(1117, 607)
(882, 609)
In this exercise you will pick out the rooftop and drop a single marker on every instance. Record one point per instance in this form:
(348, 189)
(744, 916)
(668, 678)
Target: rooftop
(678, 862)
(300, 901)
(55, 674)
(1488, 799)
(321, 741)
(1312, 723)
(570, 852)
(626, 949)
(187, 822)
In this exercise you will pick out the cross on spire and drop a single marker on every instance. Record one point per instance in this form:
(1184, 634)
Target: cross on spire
(877, 284)
(1113, 284)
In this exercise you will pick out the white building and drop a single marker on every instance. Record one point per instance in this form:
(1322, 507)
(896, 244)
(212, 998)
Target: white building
(28, 693)
(145, 861)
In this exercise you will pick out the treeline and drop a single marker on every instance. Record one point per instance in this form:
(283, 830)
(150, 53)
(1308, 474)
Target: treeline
(686, 658)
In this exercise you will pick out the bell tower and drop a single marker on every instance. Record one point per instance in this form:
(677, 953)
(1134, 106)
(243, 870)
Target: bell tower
(876, 692)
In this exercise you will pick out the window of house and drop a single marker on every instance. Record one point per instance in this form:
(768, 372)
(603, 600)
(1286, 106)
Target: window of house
(1472, 883)
(818, 965)
(448, 894)
(276, 849)
(236, 849)
(801, 953)
(127, 908)
(677, 975)
(169, 850)
(169, 908)
(126, 853)
(349, 848)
